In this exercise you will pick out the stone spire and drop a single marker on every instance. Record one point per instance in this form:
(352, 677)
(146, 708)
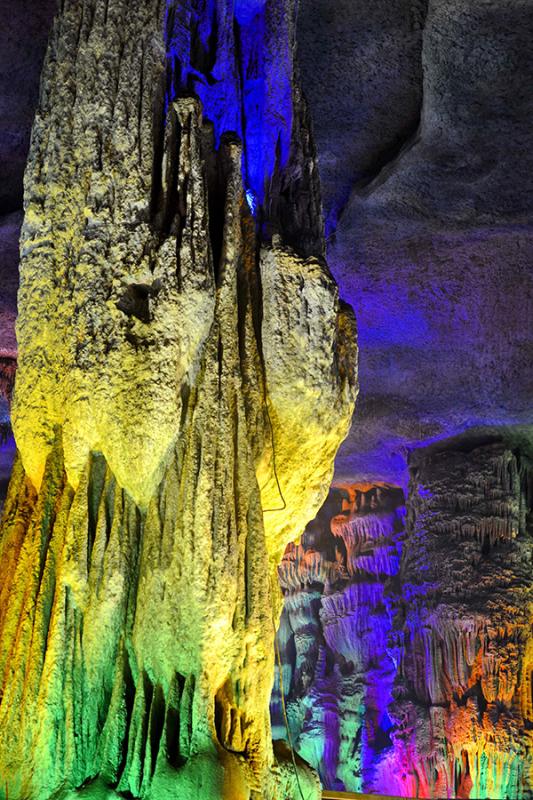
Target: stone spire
(186, 374)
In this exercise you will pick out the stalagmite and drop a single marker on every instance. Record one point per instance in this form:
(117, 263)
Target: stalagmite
(186, 374)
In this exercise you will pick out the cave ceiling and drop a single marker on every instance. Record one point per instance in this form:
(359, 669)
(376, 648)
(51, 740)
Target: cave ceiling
(422, 117)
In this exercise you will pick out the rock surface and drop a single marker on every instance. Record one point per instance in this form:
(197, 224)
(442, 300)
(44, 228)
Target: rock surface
(361, 68)
(337, 674)
(414, 678)
(165, 338)
(463, 639)
(423, 125)
(422, 122)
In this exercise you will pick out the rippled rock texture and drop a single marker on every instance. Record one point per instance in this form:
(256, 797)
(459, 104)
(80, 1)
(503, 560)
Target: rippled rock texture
(422, 120)
(412, 677)
(186, 374)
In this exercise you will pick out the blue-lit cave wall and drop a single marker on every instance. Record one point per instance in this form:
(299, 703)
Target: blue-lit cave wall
(239, 60)
(423, 128)
(422, 122)
(239, 64)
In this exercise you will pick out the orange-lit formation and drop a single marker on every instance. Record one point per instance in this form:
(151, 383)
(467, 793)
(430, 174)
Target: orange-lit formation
(400, 680)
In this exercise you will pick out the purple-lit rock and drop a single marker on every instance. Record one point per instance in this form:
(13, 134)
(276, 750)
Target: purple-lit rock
(422, 119)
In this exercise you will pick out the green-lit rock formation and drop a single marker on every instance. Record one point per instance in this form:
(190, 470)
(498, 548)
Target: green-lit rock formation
(185, 378)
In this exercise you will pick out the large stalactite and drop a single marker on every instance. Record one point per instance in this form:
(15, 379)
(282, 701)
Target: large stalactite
(186, 374)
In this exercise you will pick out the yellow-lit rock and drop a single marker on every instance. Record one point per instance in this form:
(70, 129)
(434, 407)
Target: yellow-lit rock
(181, 378)
(308, 391)
(111, 321)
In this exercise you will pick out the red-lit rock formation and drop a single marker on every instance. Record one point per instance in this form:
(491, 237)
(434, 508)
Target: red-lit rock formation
(463, 631)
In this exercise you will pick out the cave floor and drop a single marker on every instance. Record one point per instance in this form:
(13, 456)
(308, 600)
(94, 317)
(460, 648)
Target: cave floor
(346, 795)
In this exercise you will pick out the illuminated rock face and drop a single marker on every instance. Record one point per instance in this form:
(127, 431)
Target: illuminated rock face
(464, 645)
(185, 378)
(424, 138)
(337, 673)
(413, 677)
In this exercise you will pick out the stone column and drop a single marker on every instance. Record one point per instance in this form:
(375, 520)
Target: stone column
(185, 378)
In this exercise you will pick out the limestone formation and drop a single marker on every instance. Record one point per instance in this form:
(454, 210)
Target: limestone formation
(186, 374)
(463, 709)
(338, 585)
(413, 678)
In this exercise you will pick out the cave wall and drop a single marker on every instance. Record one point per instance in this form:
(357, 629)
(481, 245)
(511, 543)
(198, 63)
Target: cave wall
(428, 208)
(422, 124)
(406, 634)
(426, 175)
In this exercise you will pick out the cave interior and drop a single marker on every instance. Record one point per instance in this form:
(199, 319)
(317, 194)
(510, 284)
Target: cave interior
(374, 155)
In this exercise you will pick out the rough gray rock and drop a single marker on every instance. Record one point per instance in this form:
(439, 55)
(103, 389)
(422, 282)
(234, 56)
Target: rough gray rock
(361, 70)
(434, 245)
